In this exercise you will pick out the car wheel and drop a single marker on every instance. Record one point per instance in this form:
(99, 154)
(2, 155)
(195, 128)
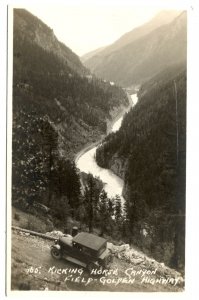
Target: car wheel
(55, 253)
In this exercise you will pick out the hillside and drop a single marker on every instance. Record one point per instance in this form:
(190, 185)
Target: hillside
(33, 30)
(130, 60)
(58, 107)
(149, 152)
(162, 18)
(90, 54)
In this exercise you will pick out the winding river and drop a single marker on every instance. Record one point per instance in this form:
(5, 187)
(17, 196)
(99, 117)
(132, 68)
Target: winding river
(113, 184)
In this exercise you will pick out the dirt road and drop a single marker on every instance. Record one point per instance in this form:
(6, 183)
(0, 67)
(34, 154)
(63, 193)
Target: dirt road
(33, 268)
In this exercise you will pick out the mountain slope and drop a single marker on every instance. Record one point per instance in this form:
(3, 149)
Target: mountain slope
(151, 149)
(90, 54)
(140, 59)
(35, 31)
(162, 18)
(56, 111)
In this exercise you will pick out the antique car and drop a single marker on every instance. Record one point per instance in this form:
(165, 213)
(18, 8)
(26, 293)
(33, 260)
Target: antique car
(84, 249)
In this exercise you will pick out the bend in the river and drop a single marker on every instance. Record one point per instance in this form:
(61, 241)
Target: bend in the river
(86, 162)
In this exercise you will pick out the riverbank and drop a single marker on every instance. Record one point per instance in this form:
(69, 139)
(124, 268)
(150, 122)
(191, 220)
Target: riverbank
(110, 123)
(115, 164)
(86, 148)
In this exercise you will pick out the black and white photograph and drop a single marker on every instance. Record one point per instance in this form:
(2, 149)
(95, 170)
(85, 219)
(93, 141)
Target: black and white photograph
(97, 122)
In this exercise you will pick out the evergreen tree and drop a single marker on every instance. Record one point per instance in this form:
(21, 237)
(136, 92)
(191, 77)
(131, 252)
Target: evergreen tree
(65, 182)
(104, 217)
(118, 209)
(91, 199)
(61, 210)
(126, 223)
(111, 207)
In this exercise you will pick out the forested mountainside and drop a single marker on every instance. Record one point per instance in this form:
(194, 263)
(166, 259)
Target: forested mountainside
(29, 28)
(149, 152)
(58, 107)
(132, 62)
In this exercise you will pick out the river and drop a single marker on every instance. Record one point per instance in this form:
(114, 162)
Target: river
(113, 184)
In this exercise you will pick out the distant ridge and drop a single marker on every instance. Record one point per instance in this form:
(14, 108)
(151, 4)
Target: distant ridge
(91, 53)
(144, 51)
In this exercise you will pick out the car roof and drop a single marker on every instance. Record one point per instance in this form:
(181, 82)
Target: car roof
(89, 240)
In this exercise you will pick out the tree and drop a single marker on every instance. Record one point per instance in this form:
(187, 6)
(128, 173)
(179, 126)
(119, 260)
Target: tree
(104, 216)
(111, 207)
(91, 198)
(65, 182)
(61, 209)
(126, 223)
(73, 184)
(118, 209)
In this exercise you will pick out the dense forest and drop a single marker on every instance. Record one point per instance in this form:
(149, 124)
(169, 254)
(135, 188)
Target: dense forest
(58, 107)
(151, 147)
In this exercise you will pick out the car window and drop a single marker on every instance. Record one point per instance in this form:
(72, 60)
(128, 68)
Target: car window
(85, 250)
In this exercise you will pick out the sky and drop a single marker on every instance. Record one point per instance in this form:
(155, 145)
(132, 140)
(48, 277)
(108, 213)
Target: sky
(85, 27)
